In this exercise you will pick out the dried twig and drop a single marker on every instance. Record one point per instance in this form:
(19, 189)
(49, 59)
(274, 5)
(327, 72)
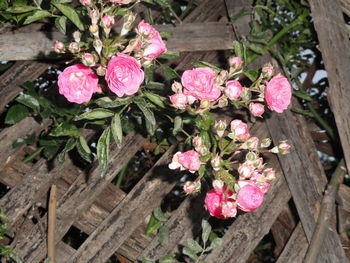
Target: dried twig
(52, 224)
(325, 214)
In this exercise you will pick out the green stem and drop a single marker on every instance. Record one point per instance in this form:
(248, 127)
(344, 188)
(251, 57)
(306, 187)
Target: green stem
(279, 35)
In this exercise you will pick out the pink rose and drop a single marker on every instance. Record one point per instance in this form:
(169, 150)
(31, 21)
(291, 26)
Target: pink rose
(155, 45)
(218, 204)
(229, 209)
(200, 83)
(278, 93)
(233, 89)
(77, 83)
(240, 129)
(249, 198)
(107, 21)
(179, 100)
(235, 62)
(124, 75)
(256, 109)
(190, 160)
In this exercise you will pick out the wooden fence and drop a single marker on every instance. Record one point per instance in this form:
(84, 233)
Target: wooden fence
(115, 221)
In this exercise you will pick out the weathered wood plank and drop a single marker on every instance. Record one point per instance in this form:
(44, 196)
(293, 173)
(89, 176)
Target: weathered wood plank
(125, 218)
(343, 197)
(335, 46)
(77, 199)
(186, 37)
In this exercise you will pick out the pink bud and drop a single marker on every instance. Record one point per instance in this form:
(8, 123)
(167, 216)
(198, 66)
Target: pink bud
(269, 174)
(59, 47)
(101, 71)
(216, 163)
(94, 15)
(74, 47)
(249, 198)
(192, 187)
(245, 170)
(176, 87)
(240, 129)
(220, 127)
(88, 59)
(107, 21)
(86, 2)
(218, 184)
(256, 109)
(283, 147)
(235, 62)
(252, 144)
(178, 100)
(197, 141)
(233, 89)
(267, 71)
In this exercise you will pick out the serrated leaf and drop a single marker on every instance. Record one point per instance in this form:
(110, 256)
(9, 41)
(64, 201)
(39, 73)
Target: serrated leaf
(28, 101)
(193, 244)
(16, 113)
(251, 74)
(170, 55)
(103, 150)
(189, 252)
(238, 47)
(37, 15)
(206, 229)
(116, 127)
(107, 102)
(169, 73)
(99, 113)
(156, 99)
(60, 23)
(216, 243)
(163, 235)
(65, 129)
(71, 14)
(203, 64)
(159, 215)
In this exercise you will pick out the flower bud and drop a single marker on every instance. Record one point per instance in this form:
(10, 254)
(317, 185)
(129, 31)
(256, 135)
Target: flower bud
(192, 187)
(176, 87)
(240, 130)
(59, 47)
(197, 142)
(97, 45)
(218, 184)
(221, 78)
(94, 30)
(269, 174)
(265, 143)
(101, 71)
(86, 2)
(256, 109)
(245, 170)
(94, 15)
(252, 144)
(134, 44)
(251, 156)
(258, 163)
(246, 94)
(283, 147)
(178, 100)
(129, 18)
(235, 62)
(88, 60)
(220, 127)
(77, 36)
(267, 71)
(216, 163)
(107, 21)
(233, 89)
(274, 150)
(74, 47)
(223, 102)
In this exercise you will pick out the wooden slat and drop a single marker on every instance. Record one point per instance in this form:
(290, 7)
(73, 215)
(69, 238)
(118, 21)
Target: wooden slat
(77, 199)
(125, 218)
(335, 46)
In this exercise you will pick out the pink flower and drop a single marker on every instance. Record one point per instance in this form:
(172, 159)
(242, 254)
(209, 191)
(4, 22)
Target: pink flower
(278, 93)
(257, 109)
(235, 62)
(200, 83)
(190, 160)
(155, 45)
(77, 83)
(249, 198)
(178, 100)
(233, 89)
(124, 75)
(229, 209)
(192, 187)
(107, 21)
(218, 204)
(86, 2)
(240, 129)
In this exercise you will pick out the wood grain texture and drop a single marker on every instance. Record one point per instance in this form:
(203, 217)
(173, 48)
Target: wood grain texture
(335, 46)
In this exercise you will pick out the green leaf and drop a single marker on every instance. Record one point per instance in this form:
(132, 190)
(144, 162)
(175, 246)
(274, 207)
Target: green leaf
(60, 23)
(153, 224)
(193, 245)
(167, 259)
(189, 252)
(3, 4)
(149, 115)
(302, 95)
(169, 73)
(252, 74)
(29, 139)
(50, 151)
(155, 85)
(159, 215)
(37, 15)
(33, 155)
(166, 34)
(116, 127)
(16, 113)
(303, 112)
(255, 48)
(216, 243)
(106, 102)
(21, 9)
(38, 3)
(65, 129)
(69, 146)
(206, 229)
(156, 99)
(28, 101)
(203, 64)
(163, 3)
(238, 47)
(163, 235)
(99, 113)
(83, 149)
(177, 125)
(170, 55)
(103, 150)
(71, 14)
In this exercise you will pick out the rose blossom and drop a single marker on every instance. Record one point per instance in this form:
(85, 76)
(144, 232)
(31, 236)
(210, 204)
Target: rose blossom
(217, 203)
(229, 209)
(235, 62)
(77, 83)
(249, 198)
(124, 75)
(155, 45)
(192, 187)
(240, 129)
(200, 83)
(233, 89)
(278, 93)
(257, 109)
(190, 160)
(178, 100)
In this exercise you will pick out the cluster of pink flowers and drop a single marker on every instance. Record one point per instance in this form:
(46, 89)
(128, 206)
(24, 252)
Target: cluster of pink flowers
(123, 72)
(214, 90)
